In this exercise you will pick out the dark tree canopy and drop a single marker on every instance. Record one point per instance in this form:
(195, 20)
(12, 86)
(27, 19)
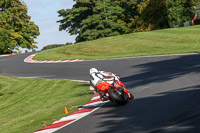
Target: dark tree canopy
(92, 19)
(180, 11)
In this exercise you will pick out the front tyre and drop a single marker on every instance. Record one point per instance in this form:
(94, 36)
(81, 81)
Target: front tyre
(116, 97)
(132, 97)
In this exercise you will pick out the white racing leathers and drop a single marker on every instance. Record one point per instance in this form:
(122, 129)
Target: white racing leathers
(113, 90)
(101, 76)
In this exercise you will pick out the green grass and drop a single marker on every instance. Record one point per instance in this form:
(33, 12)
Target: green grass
(30, 104)
(158, 42)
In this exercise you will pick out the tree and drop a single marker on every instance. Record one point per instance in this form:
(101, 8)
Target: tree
(196, 2)
(145, 15)
(154, 13)
(180, 11)
(14, 19)
(6, 45)
(93, 19)
(132, 15)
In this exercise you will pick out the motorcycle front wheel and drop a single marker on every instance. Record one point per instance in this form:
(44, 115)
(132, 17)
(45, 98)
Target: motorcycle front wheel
(116, 97)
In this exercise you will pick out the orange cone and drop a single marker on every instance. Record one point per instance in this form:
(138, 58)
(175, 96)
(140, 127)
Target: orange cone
(66, 111)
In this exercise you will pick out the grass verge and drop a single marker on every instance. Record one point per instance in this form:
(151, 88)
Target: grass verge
(159, 42)
(30, 104)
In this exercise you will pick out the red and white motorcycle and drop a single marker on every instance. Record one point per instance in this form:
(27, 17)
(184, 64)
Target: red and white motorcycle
(109, 87)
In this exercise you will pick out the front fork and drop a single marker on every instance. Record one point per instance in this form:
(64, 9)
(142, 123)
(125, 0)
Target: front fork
(128, 93)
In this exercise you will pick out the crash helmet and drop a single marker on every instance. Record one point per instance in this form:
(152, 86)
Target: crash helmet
(93, 70)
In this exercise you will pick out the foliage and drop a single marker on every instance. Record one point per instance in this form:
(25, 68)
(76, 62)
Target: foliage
(20, 30)
(92, 19)
(5, 42)
(132, 15)
(150, 15)
(196, 2)
(180, 11)
(154, 13)
(54, 46)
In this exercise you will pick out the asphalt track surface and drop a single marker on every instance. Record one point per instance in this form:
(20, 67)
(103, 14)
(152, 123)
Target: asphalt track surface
(166, 90)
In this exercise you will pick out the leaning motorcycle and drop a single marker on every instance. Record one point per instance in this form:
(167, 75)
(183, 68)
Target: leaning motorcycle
(113, 88)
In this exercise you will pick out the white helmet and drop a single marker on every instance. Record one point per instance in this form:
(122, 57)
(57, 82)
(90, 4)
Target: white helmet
(93, 70)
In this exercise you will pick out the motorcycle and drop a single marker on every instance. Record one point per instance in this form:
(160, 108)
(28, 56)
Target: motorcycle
(109, 87)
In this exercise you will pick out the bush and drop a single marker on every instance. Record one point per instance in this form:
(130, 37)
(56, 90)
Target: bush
(54, 46)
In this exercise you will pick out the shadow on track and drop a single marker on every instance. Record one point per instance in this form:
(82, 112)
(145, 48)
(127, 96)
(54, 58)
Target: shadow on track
(156, 114)
(173, 111)
(165, 70)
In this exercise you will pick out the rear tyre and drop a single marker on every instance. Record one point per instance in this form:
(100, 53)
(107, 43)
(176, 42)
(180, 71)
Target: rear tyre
(116, 97)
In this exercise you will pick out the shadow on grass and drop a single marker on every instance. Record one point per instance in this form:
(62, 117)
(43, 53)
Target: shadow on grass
(82, 94)
(11, 93)
(82, 85)
(1, 94)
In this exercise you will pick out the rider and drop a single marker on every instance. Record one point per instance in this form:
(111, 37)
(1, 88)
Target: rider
(101, 76)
